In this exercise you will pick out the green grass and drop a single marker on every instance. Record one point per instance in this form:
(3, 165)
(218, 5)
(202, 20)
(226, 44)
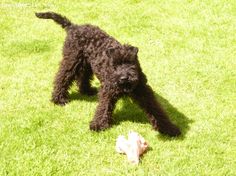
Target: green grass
(187, 50)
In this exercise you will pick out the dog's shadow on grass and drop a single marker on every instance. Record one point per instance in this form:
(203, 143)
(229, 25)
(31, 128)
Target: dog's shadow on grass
(75, 96)
(129, 111)
(177, 117)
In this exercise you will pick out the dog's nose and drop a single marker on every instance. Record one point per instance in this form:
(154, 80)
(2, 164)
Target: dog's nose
(123, 78)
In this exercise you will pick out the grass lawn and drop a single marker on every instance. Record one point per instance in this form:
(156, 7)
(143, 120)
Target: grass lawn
(187, 49)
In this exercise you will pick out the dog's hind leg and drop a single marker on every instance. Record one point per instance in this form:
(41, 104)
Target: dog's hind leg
(69, 66)
(83, 79)
(145, 97)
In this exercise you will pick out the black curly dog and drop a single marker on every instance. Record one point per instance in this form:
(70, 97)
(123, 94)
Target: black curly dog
(88, 50)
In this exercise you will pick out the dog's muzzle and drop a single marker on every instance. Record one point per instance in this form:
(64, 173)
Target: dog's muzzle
(127, 85)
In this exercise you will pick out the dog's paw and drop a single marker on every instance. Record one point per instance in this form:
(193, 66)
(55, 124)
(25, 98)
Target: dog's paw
(60, 101)
(99, 126)
(170, 130)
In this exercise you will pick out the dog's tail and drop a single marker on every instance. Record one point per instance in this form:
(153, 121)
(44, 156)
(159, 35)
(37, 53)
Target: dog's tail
(61, 20)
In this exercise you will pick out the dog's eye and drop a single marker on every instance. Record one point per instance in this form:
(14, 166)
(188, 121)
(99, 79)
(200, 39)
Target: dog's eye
(121, 61)
(117, 62)
(128, 62)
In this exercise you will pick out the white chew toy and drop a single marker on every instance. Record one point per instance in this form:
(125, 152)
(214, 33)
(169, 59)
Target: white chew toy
(133, 147)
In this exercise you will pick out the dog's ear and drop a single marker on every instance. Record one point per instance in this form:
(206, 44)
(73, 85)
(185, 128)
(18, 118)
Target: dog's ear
(133, 50)
(110, 52)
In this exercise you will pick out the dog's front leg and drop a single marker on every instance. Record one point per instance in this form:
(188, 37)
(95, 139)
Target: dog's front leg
(145, 97)
(103, 114)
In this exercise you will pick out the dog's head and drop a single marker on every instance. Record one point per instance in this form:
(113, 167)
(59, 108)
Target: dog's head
(124, 62)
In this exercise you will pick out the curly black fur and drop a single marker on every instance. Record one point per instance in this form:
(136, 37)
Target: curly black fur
(88, 50)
